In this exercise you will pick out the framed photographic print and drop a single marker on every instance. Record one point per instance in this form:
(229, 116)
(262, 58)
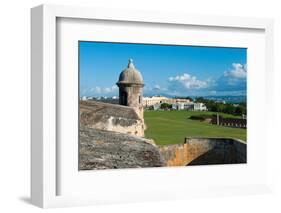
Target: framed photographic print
(130, 106)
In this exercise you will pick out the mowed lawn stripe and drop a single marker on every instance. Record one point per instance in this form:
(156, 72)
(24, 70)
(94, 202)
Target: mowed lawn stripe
(171, 127)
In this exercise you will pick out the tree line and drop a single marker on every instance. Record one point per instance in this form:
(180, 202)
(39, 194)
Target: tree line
(234, 109)
(213, 106)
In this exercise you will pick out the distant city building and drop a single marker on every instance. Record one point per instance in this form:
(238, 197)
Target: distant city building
(199, 107)
(156, 106)
(150, 101)
(177, 100)
(189, 106)
(183, 106)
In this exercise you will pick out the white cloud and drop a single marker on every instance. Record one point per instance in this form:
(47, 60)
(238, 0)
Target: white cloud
(156, 87)
(237, 71)
(233, 79)
(110, 89)
(100, 91)
(96, 90)
(230, 81)
(188, 82)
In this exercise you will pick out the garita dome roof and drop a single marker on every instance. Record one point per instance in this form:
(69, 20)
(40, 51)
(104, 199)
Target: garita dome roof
(130, 75)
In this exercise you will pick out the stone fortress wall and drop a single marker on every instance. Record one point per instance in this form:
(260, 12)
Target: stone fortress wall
(111, 117)
(205, 151)
(101, 149)
(112, 136)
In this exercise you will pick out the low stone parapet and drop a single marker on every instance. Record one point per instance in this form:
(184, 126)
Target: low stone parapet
(205, 151)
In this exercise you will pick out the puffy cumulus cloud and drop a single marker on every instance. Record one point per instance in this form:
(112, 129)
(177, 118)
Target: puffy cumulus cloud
(188, 82)
(233, 79)
(238, 71)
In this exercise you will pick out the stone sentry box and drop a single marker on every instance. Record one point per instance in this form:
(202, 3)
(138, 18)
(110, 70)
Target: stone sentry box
(130, 85)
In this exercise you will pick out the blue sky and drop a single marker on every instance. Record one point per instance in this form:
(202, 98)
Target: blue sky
(166, 69)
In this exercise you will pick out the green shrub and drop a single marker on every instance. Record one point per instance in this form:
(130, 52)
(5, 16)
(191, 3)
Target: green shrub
(201, 117)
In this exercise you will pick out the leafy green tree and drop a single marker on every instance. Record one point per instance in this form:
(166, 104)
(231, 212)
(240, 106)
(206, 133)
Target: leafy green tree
(166, 106)
(229, 109)
(224, 107)
(201, 99)
(151, 108)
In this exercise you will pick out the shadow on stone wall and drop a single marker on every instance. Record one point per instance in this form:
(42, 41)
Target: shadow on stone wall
(229, 156)
(205, 151)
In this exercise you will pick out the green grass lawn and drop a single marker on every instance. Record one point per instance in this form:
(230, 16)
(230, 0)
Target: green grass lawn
(171, 127)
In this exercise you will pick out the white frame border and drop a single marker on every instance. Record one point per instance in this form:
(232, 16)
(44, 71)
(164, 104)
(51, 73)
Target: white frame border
(43, 90)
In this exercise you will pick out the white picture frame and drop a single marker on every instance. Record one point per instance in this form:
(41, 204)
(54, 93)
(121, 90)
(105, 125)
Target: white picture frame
(45, 168)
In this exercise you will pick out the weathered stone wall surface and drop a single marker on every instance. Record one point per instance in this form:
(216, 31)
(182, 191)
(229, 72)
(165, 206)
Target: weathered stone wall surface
(175, 155)
(205, 151)
(101, 149)
(111, 117)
